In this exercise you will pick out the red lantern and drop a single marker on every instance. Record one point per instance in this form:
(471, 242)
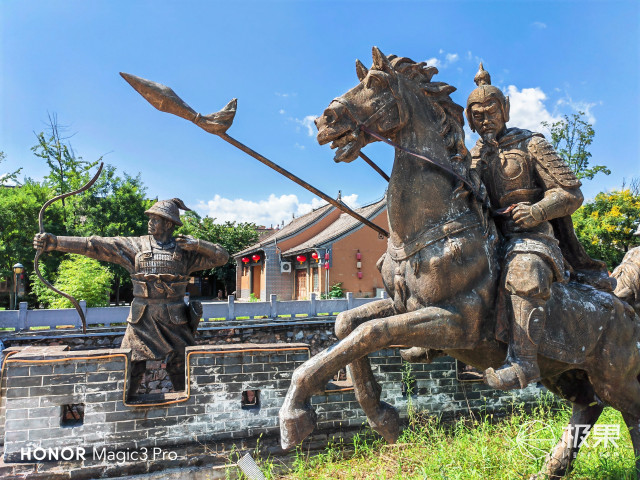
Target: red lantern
(256, 257)
(245, 260)
(301, 258)
(314, 255)
(359, 274)
(358, 255)
(326, 266)
(326, 256)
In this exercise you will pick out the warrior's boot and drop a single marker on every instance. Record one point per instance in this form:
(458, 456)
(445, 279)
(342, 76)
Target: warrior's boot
(527, 326)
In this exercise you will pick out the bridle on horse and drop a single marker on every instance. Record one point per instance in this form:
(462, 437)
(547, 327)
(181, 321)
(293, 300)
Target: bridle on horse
(403, 115)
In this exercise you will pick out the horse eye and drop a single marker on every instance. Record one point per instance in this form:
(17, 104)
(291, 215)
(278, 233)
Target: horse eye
(374, 81)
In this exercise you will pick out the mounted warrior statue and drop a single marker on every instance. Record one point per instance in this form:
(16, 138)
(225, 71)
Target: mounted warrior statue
(522, 172)
(160, 326)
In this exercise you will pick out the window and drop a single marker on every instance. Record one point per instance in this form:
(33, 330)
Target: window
(250, 399)
(72, 415)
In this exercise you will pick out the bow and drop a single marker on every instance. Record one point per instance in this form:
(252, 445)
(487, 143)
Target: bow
(39, 251)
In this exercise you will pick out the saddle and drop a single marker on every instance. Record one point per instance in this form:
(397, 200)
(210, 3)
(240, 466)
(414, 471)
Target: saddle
(577, 316)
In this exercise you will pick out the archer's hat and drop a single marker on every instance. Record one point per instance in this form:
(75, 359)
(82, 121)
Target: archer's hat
(169, 209)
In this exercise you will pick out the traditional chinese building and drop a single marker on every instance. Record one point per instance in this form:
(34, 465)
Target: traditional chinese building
(314, 252)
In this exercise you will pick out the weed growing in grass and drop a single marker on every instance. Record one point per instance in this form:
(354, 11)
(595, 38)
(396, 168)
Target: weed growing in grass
(482, 447)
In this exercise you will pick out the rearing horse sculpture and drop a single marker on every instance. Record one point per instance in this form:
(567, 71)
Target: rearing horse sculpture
(441, 271)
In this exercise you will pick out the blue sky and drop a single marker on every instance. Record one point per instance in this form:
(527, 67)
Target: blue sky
(285, 61)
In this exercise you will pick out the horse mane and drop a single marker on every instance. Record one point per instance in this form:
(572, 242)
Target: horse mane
(448, 113)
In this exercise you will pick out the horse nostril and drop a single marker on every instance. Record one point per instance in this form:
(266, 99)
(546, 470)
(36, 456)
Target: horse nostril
(329, 115)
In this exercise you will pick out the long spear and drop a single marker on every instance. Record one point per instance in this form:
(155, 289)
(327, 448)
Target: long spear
(166, 100)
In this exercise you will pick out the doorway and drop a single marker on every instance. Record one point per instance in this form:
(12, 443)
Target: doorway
(256, 272)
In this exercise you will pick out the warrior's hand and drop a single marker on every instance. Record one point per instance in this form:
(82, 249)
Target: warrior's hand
(187, 242)
(527, 216)
(45, 242)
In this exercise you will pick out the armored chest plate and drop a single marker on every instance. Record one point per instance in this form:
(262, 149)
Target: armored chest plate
(158, 262)
(510, 178)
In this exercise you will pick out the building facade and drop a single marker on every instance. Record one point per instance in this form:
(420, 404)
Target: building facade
(314, 252)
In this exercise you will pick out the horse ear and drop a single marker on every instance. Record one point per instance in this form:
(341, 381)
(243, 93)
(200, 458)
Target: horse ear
(361, 70)
(380, 61)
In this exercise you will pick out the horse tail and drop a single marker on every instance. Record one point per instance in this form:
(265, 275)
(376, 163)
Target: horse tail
(627, 274)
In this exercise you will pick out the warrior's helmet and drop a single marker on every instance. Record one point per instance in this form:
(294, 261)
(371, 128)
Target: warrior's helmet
(484, 92)
(168, 209)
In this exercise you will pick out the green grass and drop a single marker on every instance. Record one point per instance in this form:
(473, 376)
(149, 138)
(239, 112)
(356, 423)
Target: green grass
(471, 449)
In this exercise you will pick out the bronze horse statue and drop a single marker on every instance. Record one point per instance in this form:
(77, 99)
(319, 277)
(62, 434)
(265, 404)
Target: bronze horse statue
(441, 271)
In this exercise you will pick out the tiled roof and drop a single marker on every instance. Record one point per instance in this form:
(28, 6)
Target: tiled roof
(294, 226)
(342, 225)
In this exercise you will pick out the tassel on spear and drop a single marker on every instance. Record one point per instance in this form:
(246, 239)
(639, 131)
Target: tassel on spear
(166, 100)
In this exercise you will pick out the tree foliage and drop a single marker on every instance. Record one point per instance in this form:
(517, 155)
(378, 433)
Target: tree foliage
(231, 236)
(571, 138)
(114, 206)
(83, 278)
(9, 178)
(606, 225)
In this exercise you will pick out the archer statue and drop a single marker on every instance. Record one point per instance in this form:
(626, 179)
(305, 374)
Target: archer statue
(160, 326)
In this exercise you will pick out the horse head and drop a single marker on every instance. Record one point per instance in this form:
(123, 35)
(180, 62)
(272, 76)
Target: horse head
(384, 102)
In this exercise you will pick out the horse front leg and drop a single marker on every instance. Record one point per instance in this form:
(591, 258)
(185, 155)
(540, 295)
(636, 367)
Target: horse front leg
(431, 326)
(382, 417)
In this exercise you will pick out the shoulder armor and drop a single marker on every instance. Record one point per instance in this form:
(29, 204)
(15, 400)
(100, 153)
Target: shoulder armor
(551, 163)
(475, 155)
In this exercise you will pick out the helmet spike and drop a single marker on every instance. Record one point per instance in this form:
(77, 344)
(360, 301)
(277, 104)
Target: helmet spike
(482, 77)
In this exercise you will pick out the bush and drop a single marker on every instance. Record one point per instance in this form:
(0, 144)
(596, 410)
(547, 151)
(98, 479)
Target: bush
(81, 277)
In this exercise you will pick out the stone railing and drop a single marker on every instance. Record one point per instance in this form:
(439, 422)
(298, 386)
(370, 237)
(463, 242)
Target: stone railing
(25, 319)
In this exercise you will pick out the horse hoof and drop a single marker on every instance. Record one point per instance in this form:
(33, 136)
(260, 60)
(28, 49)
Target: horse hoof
(387, 423)
(295, 426)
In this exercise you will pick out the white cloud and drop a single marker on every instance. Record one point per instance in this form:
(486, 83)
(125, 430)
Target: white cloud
(281, 111)
(433, 62)
(539, 25)
(271, 211)
(581, 106)
(9, 183)
(298, 146)
(307, 122)
(451, 58)
(528, 109)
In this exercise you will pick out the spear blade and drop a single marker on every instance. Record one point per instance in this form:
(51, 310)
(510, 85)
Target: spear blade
(160, 96)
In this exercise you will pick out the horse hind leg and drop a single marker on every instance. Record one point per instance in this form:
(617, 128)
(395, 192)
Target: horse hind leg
(560, 459)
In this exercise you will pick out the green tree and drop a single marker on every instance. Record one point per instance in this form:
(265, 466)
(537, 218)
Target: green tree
(571, 138)
(19, 208)
(83, 278)
(114, 206)
(10, 177)
(230, 235)
(67, 172)
(606, 225)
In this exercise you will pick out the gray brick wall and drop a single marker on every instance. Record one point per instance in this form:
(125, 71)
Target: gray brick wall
(40, 380)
